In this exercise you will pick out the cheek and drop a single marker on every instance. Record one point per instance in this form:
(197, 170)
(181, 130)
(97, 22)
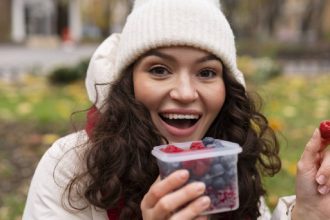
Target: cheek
(215, 99)
(139, 85)
(147, 94)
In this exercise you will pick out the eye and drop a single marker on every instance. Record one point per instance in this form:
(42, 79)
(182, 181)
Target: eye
(207, 73)
(159, 71)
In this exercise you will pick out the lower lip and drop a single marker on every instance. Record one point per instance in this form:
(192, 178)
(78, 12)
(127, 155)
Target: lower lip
(178, 132)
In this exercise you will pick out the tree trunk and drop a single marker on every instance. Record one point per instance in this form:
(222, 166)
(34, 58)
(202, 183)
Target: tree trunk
(311, 23)
(5, 20)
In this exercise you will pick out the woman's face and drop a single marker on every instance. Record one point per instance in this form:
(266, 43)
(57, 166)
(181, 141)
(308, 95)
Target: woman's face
(183, 89)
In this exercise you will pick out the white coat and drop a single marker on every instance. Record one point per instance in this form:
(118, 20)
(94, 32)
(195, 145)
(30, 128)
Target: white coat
(45, 201)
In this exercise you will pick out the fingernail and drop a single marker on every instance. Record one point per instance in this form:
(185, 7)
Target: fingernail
(200, 187)
(323, 190)
(321, 179)
(183, 174)
(315, 133)
(204, 201)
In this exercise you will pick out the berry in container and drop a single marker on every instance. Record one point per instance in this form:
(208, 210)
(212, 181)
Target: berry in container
(211, 161)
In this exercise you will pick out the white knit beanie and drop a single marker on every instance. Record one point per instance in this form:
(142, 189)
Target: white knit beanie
(162, 23)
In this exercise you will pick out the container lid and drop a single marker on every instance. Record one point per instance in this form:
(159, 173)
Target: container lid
(228, 148)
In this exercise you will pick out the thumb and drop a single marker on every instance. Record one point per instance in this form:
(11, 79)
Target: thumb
(312, 150)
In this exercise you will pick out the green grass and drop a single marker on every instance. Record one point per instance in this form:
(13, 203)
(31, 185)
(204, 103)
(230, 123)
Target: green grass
(294, 106)
(36, 100)
(13, 208)
(33, 114)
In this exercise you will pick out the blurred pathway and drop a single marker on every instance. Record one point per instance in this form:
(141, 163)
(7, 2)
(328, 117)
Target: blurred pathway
(18, 60)
(307, 67)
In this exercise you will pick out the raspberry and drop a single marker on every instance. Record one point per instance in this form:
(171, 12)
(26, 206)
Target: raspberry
(189, 164)
(197, 146)
(171, 149)
(206, 161)
(200, 168)
(325, 129)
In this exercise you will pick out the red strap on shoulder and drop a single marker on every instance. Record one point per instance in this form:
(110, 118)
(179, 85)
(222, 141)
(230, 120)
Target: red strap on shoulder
(113, 214)
(92, 116)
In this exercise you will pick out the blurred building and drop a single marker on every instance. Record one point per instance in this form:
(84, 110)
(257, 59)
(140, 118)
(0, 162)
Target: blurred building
(27, 20)
(51, 21)
(303, 20)
(289, 21)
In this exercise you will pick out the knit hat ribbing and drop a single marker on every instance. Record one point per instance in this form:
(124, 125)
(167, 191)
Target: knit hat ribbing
(164, 23)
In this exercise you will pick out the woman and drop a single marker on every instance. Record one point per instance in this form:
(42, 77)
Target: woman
(170, 76)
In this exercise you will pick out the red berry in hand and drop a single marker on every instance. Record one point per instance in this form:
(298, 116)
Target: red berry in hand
(325, 129)
(197, 146)
(171, 149)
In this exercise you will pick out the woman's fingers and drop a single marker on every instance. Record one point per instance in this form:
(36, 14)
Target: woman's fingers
(315, 157)
(193, 210)
(309, 156)
(312, 180)
(168, 198)
(323, 174)
(175, 200)
(204, 217)
(161, 188)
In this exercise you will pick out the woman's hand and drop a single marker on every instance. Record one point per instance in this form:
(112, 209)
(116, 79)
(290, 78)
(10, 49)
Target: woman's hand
(167, 200)
(313, 181)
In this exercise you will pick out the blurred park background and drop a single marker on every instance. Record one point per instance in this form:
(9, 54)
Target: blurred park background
(283, 49)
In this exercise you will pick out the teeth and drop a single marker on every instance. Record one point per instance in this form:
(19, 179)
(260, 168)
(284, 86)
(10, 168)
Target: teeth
(180, 116)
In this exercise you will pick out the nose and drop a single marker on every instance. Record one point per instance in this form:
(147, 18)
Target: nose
(184, 90)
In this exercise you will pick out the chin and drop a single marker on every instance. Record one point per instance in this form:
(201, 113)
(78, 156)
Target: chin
(183, 139)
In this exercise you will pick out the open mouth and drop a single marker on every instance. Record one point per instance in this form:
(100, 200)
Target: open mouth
(180, 121)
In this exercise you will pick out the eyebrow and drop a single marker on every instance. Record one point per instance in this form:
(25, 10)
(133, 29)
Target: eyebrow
(158, 54)
(208, 58)
(171, 58)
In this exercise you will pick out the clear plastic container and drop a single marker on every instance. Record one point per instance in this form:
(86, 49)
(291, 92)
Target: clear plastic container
(215, 165)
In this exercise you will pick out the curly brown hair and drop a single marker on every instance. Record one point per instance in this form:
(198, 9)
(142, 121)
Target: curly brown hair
(120, 166)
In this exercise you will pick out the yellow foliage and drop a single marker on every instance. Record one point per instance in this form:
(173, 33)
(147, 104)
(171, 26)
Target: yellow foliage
(246, 65)
(290, 167)
(275, 124)
(48, 139)
(289, 111)
(24, 108)
(64, 108)
(272, 199)
(77, 91)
